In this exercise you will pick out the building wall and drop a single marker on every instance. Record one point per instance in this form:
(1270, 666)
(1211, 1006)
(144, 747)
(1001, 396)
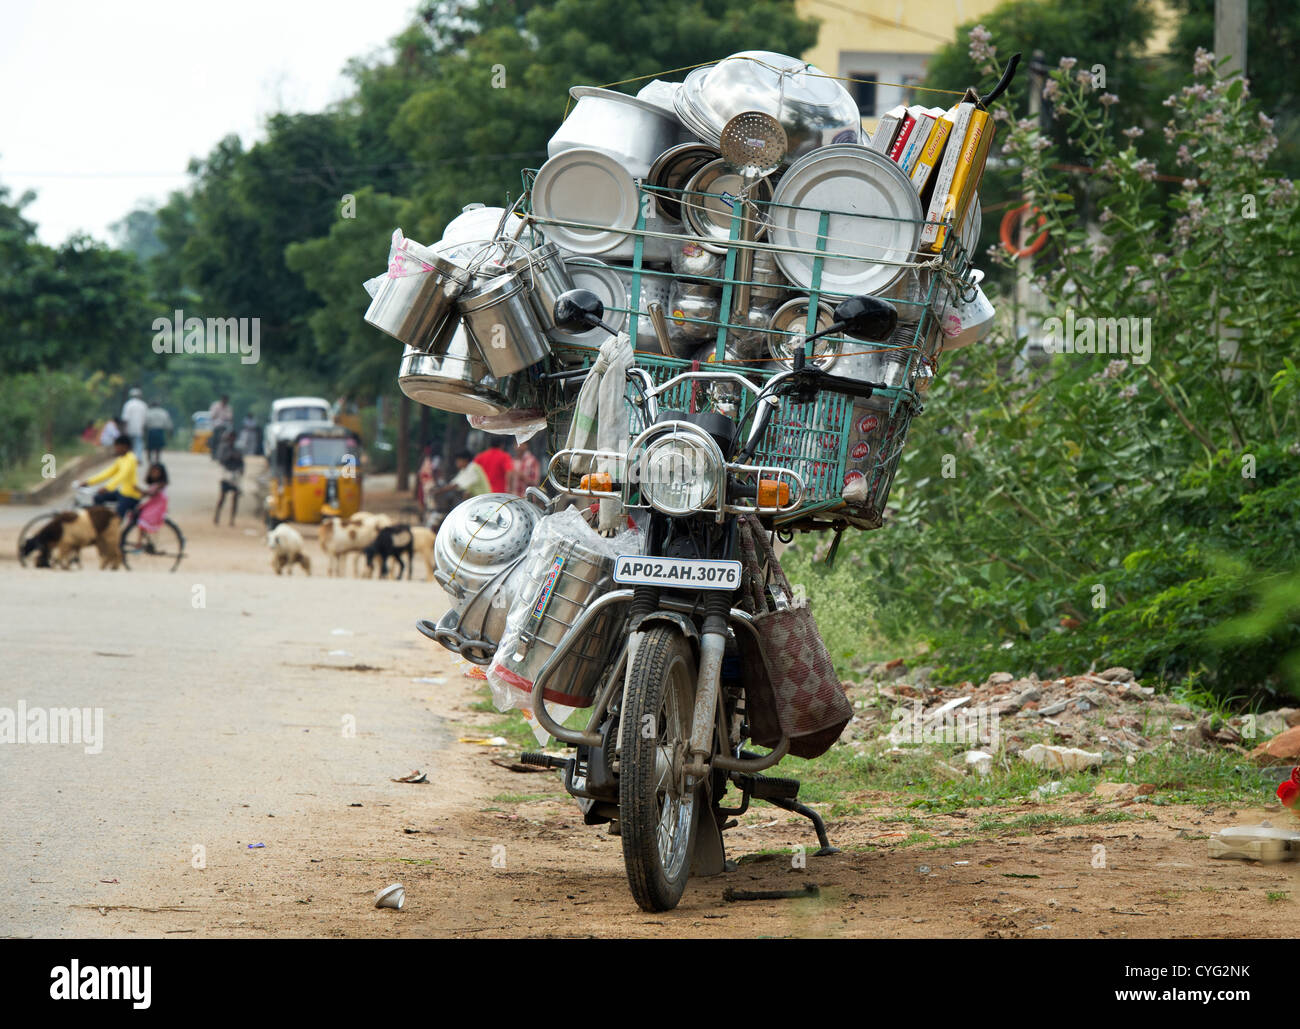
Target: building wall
(890, 40)
(893, 39)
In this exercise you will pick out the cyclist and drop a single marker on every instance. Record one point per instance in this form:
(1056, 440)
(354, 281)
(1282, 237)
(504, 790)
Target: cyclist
(118, 478)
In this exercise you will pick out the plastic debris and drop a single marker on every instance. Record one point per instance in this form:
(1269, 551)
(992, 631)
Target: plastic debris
(256, 846)
(393, 896)
(485, 741)
(340, 653)
(342, 632)
(1255, 843)
(413, 777)
(1062, 759)
(431, 680)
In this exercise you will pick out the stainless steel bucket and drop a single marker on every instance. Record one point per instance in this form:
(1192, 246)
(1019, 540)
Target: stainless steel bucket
(457, 381)
(475, 631)
(501, 320)
(418, 305)
(561, 590)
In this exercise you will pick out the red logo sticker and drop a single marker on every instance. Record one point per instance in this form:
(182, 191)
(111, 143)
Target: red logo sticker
(867, 422)
(860, 451)
(853, 477)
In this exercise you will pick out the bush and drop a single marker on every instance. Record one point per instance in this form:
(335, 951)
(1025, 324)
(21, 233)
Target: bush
(1105, 509)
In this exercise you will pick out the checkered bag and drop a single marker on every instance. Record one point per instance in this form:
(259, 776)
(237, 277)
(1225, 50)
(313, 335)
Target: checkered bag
(792, 689)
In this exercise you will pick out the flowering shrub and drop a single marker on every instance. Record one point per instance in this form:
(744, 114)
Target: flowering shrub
(1118, 507)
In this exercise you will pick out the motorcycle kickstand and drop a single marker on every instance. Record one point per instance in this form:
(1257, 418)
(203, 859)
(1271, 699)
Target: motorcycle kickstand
(818, 825)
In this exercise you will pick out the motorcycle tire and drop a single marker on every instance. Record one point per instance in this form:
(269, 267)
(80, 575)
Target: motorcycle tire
(657, 818)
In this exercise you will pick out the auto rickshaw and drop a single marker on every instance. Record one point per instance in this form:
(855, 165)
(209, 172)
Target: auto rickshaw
(315, 475)
(201, 434)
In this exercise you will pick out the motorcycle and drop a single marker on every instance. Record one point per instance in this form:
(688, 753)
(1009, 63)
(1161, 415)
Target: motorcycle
(665, 739)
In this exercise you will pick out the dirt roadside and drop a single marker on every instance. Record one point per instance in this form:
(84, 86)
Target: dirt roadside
(482, 853)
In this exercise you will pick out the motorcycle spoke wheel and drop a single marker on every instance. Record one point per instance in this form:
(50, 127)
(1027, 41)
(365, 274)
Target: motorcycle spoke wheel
(656, 813)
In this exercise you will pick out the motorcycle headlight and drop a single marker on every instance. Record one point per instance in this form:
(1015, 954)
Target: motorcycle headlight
(679, 471)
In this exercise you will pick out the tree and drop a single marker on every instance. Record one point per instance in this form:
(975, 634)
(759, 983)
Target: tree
(1272, 57)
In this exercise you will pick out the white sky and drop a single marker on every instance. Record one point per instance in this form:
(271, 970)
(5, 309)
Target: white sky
(104, 102)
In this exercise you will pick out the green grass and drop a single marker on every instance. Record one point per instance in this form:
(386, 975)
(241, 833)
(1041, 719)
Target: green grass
(839, 782)
(840, 776)
(525, 798)
(26, 475)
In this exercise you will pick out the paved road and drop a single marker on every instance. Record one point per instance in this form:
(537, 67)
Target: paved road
(224, 692)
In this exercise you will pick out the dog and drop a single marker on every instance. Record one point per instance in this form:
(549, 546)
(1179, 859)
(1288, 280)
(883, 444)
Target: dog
(63, 537)
(286, 545)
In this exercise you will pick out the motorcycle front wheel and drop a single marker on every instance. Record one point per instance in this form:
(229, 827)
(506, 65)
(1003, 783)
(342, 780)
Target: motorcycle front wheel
(656, 813)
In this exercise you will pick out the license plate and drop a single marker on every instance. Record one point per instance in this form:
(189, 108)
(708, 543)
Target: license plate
(686, 573)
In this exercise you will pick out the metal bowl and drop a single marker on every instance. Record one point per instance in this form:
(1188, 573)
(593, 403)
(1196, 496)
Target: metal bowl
(813, 108)
(788, 329)
(710, 199)
(672, 170)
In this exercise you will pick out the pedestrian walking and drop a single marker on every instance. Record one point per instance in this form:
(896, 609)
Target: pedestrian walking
(133, 412)
(157, 424)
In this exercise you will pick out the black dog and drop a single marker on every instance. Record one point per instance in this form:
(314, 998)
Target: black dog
(393, 542)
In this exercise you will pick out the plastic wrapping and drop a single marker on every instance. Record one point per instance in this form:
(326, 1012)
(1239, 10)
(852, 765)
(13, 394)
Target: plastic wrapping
(522, 423)
(569, 565)
(400, 264)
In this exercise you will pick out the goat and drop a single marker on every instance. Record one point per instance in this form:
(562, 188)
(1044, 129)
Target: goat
(354, 534)
(423, 540)
(286, 548)
(392, 541)
(62, 538)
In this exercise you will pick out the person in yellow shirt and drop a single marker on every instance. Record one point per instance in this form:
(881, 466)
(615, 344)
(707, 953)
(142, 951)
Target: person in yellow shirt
(119, 479)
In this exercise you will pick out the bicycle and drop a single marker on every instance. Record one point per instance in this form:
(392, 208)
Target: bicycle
(161, 550)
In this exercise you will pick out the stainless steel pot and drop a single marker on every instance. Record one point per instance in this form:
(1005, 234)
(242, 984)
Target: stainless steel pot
(894, 362)
(549, 275)
(501, 319)
(474, 627)
(562, 589)
(457, 381)
(633, 132)
(416, 302)
(770, 286)
(480, 539)
(691, 309)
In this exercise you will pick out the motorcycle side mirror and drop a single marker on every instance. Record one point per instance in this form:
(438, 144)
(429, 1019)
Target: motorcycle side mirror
(867, 318)
(579, 309)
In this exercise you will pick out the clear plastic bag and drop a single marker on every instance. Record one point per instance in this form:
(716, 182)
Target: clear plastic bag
(552, 534)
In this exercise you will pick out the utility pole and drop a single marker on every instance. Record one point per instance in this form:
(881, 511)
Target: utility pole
(1024, 288)
(1230, 35)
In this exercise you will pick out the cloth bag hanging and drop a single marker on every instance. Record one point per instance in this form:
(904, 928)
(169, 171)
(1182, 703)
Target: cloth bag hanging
(791, 689)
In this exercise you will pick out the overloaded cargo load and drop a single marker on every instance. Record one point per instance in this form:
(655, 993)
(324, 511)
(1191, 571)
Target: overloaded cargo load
(719, 220)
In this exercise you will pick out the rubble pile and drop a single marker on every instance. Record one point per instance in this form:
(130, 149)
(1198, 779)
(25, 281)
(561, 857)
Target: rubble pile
(1106, 712)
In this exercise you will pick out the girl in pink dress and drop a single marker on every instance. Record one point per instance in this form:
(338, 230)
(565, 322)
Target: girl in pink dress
(153, 503)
